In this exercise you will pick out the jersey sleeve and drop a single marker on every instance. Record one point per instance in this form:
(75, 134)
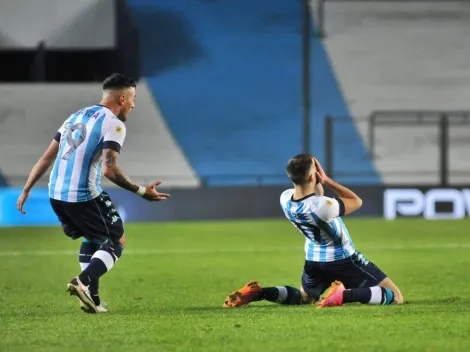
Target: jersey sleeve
(330, 208)
(114, 134)
(61, 130)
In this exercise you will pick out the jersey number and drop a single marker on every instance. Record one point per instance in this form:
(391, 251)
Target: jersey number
(313, 232)
(72, 142)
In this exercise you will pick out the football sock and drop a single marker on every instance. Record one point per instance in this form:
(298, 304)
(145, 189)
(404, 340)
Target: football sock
(281, 294)
(94, 286)
(87, 249)
(101, 262)
(369, 295)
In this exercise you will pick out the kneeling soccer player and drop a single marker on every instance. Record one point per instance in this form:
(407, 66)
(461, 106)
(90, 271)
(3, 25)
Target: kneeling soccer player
(331, 259)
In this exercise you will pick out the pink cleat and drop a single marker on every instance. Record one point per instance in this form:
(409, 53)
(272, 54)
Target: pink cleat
(334, 297)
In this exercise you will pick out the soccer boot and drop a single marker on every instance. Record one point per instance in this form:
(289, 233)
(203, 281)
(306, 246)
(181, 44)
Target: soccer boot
(76, 288)
(99, 309)
(243, 296)
(334, 297)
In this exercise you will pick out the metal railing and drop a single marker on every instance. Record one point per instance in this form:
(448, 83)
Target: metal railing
(444, 141)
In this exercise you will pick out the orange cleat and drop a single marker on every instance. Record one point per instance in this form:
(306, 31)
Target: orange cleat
(243, 296)
(334, 297)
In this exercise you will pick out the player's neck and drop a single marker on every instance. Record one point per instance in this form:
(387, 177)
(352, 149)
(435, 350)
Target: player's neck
(111, 106)
(303, 191)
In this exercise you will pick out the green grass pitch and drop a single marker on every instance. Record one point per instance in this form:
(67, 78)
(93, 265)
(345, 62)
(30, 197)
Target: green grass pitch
(167, 290)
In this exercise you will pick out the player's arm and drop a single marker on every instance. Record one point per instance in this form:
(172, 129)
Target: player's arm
(113, 172)
(113, 139)
(349, 201)
(39, 169)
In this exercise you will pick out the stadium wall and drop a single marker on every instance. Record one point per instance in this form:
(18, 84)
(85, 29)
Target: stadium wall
(227, 77)
(61, 24)
(30, 115)
(402, 56)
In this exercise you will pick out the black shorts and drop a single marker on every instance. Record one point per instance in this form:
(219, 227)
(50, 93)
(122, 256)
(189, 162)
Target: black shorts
(354, 272)
(96, 219)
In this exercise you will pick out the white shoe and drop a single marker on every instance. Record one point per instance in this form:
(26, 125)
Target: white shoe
(99, 309)
(76, 288)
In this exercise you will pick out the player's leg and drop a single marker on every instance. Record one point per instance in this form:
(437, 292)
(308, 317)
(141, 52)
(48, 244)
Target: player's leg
(87, 250)
(94, 283)
(99, 221)
(253, 292)
(312, 287)
(314, 282)
(388, 283)
(106, 222)
(362, 283)
(65, 212)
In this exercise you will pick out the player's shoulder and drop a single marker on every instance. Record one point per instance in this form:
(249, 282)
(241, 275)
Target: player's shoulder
(111, 122)
(286, 195)
(324, 201)
(326, 208)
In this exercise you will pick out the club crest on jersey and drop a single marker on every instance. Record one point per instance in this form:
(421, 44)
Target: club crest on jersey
(118, 129)
(329, 203)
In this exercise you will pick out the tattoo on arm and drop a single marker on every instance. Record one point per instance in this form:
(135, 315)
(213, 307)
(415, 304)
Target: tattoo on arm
(114, 173)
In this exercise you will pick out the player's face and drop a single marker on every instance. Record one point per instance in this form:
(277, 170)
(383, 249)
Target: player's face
(127, 102)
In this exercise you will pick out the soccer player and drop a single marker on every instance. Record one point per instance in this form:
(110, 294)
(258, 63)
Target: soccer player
(331, 259)
(86, 147)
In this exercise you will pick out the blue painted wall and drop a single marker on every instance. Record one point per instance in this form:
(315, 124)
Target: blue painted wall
(227, 76)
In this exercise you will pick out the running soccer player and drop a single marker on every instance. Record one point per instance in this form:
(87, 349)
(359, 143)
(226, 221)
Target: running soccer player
(87, 138)
(331, 259)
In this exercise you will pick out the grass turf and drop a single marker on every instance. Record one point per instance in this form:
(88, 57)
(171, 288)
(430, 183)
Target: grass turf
(167, 290)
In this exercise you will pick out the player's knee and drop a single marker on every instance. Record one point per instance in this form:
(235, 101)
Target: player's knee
(304, 297)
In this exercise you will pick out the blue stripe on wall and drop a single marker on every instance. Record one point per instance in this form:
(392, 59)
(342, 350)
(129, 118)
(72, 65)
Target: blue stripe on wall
(227, 77)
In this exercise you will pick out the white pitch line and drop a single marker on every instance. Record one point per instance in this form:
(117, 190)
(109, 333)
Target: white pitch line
(237, 250)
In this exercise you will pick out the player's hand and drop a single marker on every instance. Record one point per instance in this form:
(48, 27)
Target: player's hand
(21, 200)
(152, 195)
(320, 173)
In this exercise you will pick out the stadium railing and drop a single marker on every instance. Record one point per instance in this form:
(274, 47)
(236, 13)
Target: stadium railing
(392, 135)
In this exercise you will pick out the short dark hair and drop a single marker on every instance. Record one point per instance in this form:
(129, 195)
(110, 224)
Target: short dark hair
(298, 168)
(118, 81)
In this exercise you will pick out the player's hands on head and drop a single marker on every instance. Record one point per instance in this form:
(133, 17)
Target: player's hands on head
(21, 200)
(152, 195)
(320, 173)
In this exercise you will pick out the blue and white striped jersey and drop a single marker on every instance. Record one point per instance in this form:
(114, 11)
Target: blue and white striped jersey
(318, 219)
(76, 174)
